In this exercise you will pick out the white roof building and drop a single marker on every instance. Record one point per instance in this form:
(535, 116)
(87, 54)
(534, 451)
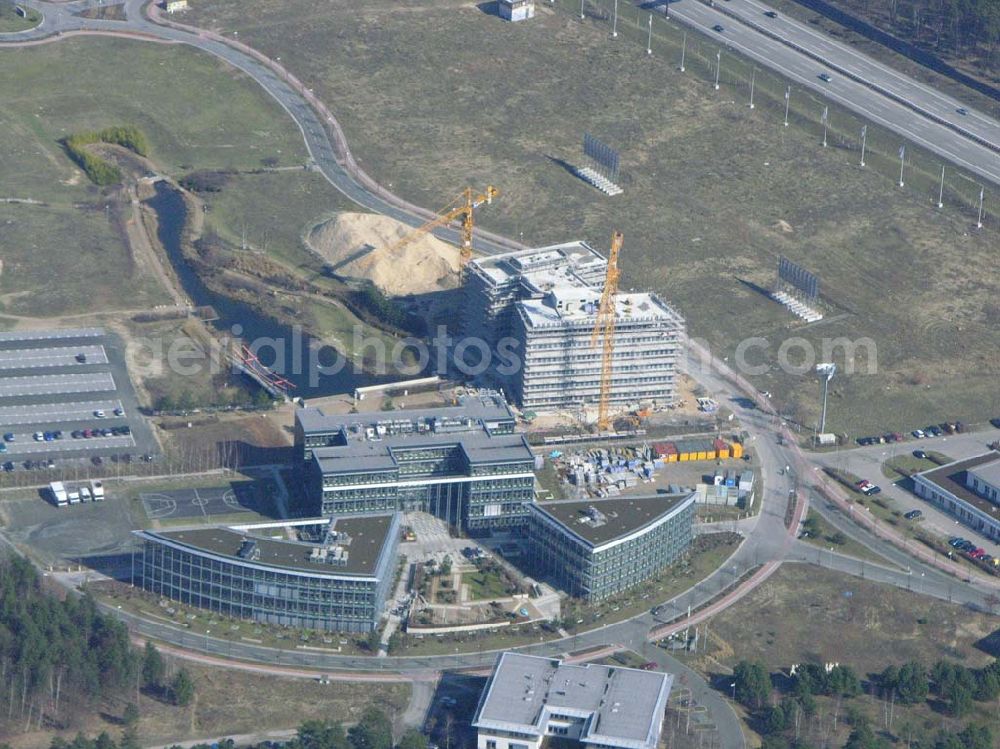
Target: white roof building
(528, 698)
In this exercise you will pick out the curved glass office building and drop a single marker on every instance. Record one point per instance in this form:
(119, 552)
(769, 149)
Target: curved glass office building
(322, 574)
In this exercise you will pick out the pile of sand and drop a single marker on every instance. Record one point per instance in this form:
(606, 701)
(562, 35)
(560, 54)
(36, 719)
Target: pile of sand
(356, 246)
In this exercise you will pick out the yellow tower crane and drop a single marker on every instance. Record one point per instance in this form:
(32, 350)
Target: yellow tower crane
(604, 328)
(460, 208)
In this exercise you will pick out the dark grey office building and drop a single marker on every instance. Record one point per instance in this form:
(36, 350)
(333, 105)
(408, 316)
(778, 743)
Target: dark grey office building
(338, 582)
(595, 549)
(462, 463)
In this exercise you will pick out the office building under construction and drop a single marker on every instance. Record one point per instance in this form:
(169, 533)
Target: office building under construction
(542, 305)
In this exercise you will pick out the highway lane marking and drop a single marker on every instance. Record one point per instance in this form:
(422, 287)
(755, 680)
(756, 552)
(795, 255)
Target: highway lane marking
(853, 106)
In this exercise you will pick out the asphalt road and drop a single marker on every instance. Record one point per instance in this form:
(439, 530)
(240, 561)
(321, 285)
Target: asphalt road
(768, 540)
(940, 136)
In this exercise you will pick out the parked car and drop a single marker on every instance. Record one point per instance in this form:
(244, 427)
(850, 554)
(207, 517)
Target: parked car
(918, 434)
(39, 436)
(873, 489)
(99, 414)
(920, 455)
(649, 666)
(3, 447)
(9, 437)
(81, 357)
(8, 466)
(934, 430)
(913, 514)
(995, 423)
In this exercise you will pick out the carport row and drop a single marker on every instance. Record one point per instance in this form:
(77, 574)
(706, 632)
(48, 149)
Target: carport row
(62, 384)
(64, 356)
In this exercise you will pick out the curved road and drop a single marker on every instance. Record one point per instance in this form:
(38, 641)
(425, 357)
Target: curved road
(768, 542)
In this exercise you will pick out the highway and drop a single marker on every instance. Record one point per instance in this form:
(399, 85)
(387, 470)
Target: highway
(940, 135)
(768, 542)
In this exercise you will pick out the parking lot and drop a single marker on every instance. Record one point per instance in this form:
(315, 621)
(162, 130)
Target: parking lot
(66, 400)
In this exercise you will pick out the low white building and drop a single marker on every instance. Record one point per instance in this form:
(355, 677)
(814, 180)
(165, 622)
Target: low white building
(602, 707)
(516, 10)
(968, 490)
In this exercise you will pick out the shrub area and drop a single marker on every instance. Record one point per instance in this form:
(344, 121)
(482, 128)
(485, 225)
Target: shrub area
(99, 171)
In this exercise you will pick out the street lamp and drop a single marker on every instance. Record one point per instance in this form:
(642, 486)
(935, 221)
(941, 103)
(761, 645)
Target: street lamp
(826, 370)
(902, 162)
(684, 44)
(718, 68)
(649, 42)
(753, 76)
(614, 23)
(864, 142)
(788, 98)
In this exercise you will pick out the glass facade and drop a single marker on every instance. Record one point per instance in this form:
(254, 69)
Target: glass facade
(597, 572)
(264, 593)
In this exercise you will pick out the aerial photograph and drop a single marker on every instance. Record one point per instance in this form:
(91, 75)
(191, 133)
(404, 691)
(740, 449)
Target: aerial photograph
(500, 374)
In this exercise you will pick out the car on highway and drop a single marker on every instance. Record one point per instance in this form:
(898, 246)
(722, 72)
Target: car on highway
(770, 14)
(962, 111)
(920, 455)
(825, 77)
(718, 27)
(913, 514)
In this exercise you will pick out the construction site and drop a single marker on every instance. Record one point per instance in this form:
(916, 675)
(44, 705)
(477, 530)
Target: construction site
(578, 342)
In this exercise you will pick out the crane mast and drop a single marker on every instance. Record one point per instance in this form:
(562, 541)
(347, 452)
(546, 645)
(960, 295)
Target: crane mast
(604, 328)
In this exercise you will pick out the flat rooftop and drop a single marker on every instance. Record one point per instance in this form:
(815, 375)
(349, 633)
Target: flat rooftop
(989, 472)
(614, 517)
(951, 478)
(578, 307)
(385, 453)
(475, 410)
(625, 703)
(368, 536)
(568, 264)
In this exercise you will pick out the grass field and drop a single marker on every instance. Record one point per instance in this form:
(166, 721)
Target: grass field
(824, 536)
(804, 613)
(65, 259)
(11, 21)
(65, 256)
(713, 191)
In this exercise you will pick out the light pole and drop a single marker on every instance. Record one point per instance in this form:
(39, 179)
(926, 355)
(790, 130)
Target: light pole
(684, 44)
(902, 162)
(979, 221)
(788, 98)
(826, 370)
(941, 189)
(666, 9)
(649, 41)
(614, 23)
(718, 68)
(753, 76)
(864, 142)
(581, 10)
(826, 120)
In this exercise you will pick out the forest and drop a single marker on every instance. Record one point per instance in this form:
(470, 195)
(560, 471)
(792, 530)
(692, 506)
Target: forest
(58, 655)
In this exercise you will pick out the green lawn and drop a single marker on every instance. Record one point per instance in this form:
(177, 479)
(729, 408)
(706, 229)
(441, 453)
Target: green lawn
(713, 191)
(485, 585)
